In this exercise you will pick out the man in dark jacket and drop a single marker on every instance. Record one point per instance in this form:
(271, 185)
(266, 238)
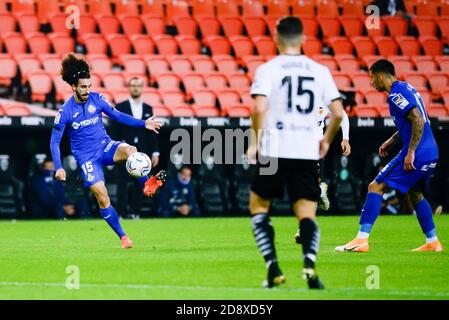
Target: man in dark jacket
(144, 140)
(177, 197)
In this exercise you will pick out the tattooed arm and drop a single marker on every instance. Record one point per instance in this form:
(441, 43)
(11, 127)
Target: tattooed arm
(417, 122)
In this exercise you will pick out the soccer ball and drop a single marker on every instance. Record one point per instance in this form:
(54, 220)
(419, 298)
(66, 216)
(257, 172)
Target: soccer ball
(138, 165)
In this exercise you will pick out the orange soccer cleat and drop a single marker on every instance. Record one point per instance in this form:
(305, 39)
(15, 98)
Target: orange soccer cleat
(154, 183)
(126, 242)
(434, 246)
(356, 245)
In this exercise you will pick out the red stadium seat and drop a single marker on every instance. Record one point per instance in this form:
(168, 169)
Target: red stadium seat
(8, 22)
(131, 25)
(202, 8)
(219, 45)
(342, 81)
(206, 111)
(238, 80)
(28, 22)
(176, 9)
(444, 9)
(99, 7)
(397, 26)
(192, 82)
(133, 64)
(255, 25)
(384, 110)
(402, 64)
(152, 98)
(202, 64)
(303, 8)
(180, 65)
(161, 111)
(437, 111)
(182, 111)
(239, 110)
(361, 81)
(265, 45)
(108, 25)
(14, 42)
(100, 64)
(38, 43)
(189, 45)
(227, 9)
(168, 81)
(278, 8)
(409, 45)
(377, 29)
(232, 26)
(426, 97)
(443, 63)
(62, 43)
(172, 98)
(204, 97)
(246, 98)
(69, 6)
(426, 66)
(47, 8)
(368, 60)
(166, 44)
(225, 64)
(19, 6)
(438, 81)
(327, 60)
(252, 9)
(156, 65)
(120, 95)
(58, 23)
(353, 8)
(40, 84)
(153, 8)
(119, 44)
(432, 46)
(63, 90)
(347, 63)
(126, 7)
(416, 79)
(186, 26)
(142, 44)
(386, 46)
(154, 25)
(228, 97)
(216, 81)
(51, 63)
(27, 64)
(375, 97)
(88, 24)
(443, 25)
(330, 26)
(341, 45)
(113, 81)
(366, 111)
(209, 26)
(363, 46)
(427, 8)
(95, 43)
(242, 46)
(327, 8)
(426, 26)
(352, 26)
(312, 46)
(17, 110)
(310, 25)
(252, 63)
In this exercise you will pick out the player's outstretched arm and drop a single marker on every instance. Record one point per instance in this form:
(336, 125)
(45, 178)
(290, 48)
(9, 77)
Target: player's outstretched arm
(417, 121)
(336, 108)
(383, 149)
(345, 146)
(56, 136)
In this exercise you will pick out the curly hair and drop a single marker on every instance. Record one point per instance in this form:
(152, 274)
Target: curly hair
(74, 68)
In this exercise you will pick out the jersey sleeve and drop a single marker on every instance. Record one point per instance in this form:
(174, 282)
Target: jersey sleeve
(345, 126)
(261, 84)
(330, 91)
(56, 136)
(118, 116)
(403, 100)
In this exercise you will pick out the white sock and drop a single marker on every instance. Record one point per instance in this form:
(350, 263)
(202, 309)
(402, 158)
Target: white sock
(429, 240)
(362, 235)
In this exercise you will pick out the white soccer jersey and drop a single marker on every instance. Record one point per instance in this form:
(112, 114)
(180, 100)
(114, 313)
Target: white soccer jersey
(295, 86)
(324, 112)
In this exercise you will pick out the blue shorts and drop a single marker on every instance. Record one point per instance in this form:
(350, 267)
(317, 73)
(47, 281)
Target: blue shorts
(394, 175)
(92, 168)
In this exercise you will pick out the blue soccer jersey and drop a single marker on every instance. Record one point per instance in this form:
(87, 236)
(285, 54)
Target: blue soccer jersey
(90, 144)
(402, 99)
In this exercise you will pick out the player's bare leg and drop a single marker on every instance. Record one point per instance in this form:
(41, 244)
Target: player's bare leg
(264, 234)
(370, 212)
(425, 219)
(305, 211)
(150, 185)
(108, 212)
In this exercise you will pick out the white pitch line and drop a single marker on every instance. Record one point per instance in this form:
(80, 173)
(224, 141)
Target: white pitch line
(204, 288)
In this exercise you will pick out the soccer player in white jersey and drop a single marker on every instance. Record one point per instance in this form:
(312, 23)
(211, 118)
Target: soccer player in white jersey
(288, 91)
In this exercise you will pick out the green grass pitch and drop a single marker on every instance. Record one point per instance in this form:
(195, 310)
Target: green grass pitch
(213, 258)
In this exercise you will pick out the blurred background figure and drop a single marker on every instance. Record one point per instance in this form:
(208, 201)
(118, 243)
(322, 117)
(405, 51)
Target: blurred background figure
(129, 193)
(177, 197)
(390, 7)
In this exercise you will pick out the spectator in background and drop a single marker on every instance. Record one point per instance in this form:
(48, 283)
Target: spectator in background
(47, 195)
(177, 197)
(144, 140)
(390, 7)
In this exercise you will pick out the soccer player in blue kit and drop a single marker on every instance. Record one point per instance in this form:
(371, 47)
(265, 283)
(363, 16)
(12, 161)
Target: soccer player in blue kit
(412, 167)
(90, 144)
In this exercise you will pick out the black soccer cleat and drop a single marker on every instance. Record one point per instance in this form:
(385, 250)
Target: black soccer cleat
(313, 281)
(274, 277)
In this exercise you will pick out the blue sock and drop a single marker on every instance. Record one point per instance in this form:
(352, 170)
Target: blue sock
(110, 215)
(425, 218)
(370, 211)
(142, 181)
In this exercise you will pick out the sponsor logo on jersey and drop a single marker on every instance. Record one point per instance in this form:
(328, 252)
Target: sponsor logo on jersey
(90, 177)
(91, 108)
(76, 114)
(85, 123)
(399, 100)
(57, 118)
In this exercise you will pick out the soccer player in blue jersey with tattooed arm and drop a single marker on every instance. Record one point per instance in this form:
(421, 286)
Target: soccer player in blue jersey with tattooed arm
(90, 144)
(412, 167)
